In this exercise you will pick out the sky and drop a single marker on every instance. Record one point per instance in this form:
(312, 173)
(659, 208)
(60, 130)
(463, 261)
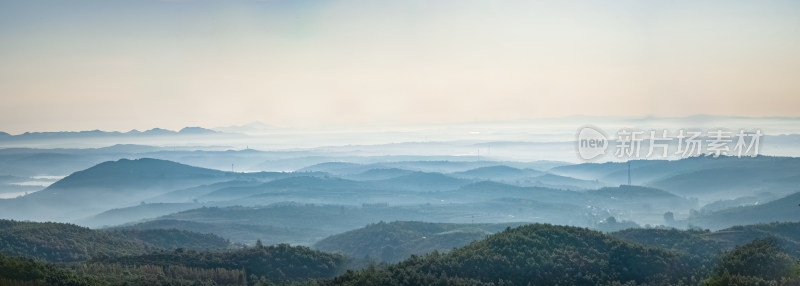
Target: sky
(121, 65)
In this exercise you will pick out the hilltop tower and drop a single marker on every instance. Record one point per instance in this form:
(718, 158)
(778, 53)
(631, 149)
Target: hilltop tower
(629, 173)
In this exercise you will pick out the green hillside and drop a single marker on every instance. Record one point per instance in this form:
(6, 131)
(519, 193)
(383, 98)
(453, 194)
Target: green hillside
(537, 254)
(59, 242)
(395, 241)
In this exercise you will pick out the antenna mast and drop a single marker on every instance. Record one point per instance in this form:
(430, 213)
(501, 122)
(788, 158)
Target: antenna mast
(629, 173)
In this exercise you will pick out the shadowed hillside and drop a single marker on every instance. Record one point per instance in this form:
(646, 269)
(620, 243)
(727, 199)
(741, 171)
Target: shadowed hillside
(395, 241)
(540, 254)
(57, 242)
(107, 185)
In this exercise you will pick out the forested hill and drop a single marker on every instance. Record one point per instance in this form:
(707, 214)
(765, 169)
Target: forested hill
(274, 264)
(82, 256)
(260, 265)
(781, 210)
(395, 241)
(62, 242)
(707, 243)
(57, 242)
(539, 253)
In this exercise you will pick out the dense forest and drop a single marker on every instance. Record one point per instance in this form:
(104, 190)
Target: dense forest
(764, 254)
(274, 264)
(26, 271)
(538, 253)
(760, 262)
(59, 242)
(66, 254)
(543, 254)
(395, 241)
(259, 265)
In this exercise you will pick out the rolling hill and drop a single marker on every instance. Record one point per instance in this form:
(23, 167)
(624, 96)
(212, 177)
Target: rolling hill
(294, 186)
(58, 242)
(704, 177)
(379, 174)
(105, 186)
(421, 181)
(237, 232)
(499, 173)
(781, 210)
(263, 264)
(534, 254)
(133, 214)
(45, 241)
(395, 241)
(705, 246)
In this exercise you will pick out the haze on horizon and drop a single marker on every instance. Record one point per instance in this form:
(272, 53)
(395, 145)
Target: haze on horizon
(121, 65)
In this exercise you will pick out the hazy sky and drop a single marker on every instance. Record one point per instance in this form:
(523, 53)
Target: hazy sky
(118, 65)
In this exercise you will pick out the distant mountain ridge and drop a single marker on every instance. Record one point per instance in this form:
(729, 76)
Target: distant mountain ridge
(100, 133)
(781, 210)
(704, 177)
(108, 185)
